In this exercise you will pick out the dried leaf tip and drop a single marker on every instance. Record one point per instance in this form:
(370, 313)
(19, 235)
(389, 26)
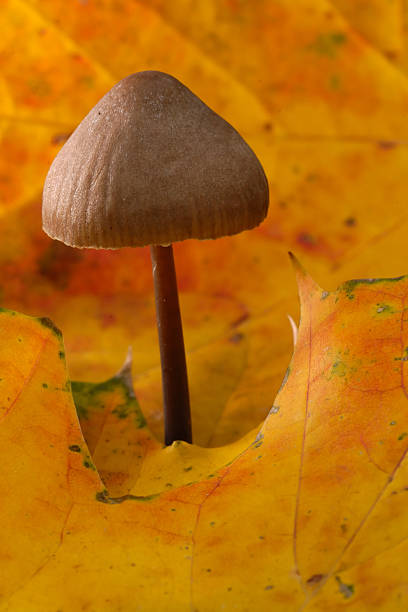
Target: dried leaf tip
(125, 372)
(306, 285)
(295, 330)
(299, 269)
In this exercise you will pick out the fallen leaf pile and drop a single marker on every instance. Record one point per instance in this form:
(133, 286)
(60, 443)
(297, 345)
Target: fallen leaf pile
(291, 499)
(307, 512)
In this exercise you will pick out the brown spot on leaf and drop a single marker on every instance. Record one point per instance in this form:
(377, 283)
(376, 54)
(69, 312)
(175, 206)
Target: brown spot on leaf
(387, 144)
(107, 319)
(241, 319)
(350, 221)
(391, 55)
(57, 263)
(306, 239)
(236, 338)
(316, 578)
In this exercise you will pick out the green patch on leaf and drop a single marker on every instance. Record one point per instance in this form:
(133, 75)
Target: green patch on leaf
(347, 590)
(329, 43)
(384, 309)
(344, 365)
(46, 322)
(103, 496)
(339, 368)
(349, 286)
(285, 379)
(94, 398)
(130, 409)
(7, 311)
(335, 82)
(89, 464)
(404, 355)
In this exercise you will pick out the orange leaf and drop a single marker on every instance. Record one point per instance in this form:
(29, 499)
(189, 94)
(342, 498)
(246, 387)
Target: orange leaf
(309, 511)
(320, 106)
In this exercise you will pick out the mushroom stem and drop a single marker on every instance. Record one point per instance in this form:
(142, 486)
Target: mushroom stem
(177, 418)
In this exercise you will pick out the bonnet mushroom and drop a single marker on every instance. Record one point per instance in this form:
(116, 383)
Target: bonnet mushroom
(151, 164)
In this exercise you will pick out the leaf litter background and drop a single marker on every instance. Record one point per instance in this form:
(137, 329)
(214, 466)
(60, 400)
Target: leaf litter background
(320, 92)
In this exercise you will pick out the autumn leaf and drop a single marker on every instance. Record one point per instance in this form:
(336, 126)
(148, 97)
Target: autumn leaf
(309, 510)
(320, 93)
(309, 88)
(380, 22)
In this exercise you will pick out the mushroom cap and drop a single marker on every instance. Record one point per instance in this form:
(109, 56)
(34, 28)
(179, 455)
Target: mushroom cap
(152, 164)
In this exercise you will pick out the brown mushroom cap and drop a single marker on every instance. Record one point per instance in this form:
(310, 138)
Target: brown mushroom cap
(152, 164)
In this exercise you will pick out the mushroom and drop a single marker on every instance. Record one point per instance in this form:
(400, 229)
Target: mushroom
(151, 164)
